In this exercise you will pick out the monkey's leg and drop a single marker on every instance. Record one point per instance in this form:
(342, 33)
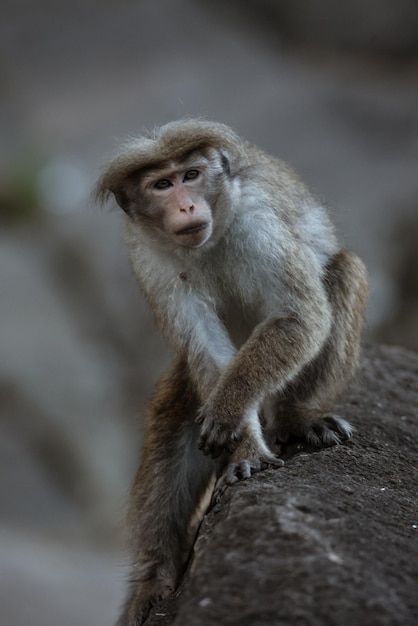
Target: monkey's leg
(303, 410)
(171, 480)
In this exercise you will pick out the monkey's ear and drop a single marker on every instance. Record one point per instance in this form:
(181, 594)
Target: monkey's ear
(123, 201)
(225, 161)
(103, 191)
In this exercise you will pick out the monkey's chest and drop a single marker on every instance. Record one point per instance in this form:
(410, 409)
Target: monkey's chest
(240, 305)
(238, 318)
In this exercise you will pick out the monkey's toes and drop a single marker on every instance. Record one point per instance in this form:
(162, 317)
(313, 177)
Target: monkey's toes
(339, 425)
(330, 430)
(136, 613)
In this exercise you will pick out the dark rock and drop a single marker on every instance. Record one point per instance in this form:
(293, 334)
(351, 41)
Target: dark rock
(332, 537)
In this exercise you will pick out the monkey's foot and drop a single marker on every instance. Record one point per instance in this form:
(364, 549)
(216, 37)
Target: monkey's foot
(325, 431)
(141, 600)
(243, 469)
(136, 612)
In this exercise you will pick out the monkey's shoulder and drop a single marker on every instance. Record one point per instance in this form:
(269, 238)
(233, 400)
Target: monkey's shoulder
(270, 169)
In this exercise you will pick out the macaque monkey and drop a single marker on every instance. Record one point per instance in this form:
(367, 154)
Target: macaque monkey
(263, 311)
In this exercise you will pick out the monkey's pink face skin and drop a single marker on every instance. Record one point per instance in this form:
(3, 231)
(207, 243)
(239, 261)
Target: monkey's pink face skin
(177, 195)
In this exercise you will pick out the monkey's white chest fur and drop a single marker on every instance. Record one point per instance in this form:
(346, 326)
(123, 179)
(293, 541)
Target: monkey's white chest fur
(242, 280)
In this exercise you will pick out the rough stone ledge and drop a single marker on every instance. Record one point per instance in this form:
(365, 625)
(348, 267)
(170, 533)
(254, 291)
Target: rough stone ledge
(332, 537)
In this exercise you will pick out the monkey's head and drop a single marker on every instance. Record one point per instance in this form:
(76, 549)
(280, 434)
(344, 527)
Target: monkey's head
(175, 182)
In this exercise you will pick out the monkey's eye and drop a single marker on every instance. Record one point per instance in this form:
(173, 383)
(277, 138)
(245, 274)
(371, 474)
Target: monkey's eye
(191, 174)
(164, 183)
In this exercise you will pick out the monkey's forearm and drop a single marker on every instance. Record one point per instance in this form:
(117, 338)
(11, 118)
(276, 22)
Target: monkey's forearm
(267, 362)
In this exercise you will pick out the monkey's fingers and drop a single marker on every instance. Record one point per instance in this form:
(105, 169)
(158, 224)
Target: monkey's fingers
(243, 469)
(216, 442)
(271, 461)
(219, 433)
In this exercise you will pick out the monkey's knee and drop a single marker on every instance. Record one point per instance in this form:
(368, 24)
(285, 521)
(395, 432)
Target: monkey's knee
(346, 280)
(346, 283)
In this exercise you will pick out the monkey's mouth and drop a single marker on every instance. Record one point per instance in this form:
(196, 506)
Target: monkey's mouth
(196, 228)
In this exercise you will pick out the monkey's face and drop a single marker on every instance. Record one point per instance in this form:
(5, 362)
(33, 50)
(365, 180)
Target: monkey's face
(175, 201)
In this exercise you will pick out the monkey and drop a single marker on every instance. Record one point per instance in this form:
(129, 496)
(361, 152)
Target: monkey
(263, 310)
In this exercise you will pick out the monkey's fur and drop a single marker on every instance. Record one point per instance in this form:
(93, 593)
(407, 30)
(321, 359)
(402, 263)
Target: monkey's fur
(262, 308)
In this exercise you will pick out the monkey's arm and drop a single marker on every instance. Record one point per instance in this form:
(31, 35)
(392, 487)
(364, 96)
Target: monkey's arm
(196, 333)
(272, 357)
(186, 317)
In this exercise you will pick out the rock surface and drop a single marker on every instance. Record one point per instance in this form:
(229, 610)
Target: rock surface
(332, 537)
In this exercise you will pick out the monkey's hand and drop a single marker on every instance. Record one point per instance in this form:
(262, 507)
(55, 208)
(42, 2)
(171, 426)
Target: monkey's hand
(243, 469)
(220, 431)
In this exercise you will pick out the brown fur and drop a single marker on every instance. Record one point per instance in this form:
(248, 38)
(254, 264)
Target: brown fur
(158, 149)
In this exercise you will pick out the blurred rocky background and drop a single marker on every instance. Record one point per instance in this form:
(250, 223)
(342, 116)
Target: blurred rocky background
(330, 87)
